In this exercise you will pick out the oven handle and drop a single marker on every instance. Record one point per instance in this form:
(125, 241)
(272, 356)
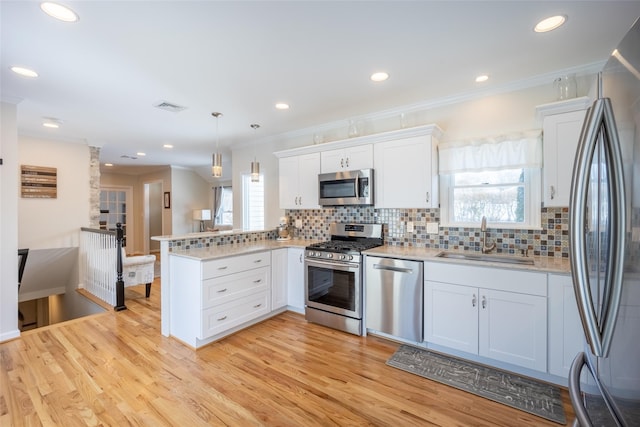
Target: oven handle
(333, 265)
(392, 268)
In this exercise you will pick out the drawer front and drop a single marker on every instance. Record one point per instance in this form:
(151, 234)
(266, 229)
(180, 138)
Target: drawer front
(500, 279)
(223, 317)
(233, 286)
(235, 264)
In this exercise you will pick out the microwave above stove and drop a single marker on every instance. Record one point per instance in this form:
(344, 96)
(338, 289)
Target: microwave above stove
(346, 188)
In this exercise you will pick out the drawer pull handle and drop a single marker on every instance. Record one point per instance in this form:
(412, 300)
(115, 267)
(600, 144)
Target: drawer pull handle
(257, 261)
(473, 300)
(222, 318)
(256, 306)
(222, 290)
(484, 301)
(257, 281)
(222, 268)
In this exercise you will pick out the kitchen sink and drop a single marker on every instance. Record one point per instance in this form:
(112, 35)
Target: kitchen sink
(506, 259)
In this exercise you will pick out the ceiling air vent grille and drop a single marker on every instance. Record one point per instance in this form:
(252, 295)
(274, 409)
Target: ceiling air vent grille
(168, 106)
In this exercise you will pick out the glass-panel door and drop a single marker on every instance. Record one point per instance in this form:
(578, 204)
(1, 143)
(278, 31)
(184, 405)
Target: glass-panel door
(113, 209)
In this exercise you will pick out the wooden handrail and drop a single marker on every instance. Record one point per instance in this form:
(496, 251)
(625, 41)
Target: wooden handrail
(97, 230)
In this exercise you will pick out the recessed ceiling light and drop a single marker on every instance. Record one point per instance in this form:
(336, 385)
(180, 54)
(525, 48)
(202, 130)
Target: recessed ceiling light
(26, 72)
(168, 146)
(282, 106)
(108, 164)
(51, 125)
(58, 11)
(379, 77)
(550, 23)
(140, 153)
(482, 78)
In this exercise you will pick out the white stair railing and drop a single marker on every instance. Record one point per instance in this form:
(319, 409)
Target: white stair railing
(98, 273)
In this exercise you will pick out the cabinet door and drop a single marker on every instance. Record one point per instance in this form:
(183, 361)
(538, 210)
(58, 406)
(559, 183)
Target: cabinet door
(309, 168)
(288, 182)
(359, 157)
(566, 337)
(561, 134)
(279, 271)
(513, 328)
(406, 176)
(451, 315)
(295, 281)
(332, 161)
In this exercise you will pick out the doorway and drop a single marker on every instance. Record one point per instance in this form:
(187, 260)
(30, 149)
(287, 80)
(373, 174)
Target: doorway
(153, 209)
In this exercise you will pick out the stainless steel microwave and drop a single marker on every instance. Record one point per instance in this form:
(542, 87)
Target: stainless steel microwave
(346, 188)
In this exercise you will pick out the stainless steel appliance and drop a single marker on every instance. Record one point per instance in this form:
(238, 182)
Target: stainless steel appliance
(393, 295)
(604, 380)
(333, 276)
(346, 188)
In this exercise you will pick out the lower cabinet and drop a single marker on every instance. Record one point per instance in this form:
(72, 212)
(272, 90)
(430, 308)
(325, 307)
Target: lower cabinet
(209, 298)
(566, 337)
(279, 279)
(495, 313)
(295, 279)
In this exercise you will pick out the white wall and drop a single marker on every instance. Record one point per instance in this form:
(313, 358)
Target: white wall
(55, 223)
(189, 192)
(8, 222)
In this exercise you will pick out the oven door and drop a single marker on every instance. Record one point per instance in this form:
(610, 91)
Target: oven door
(333, 287)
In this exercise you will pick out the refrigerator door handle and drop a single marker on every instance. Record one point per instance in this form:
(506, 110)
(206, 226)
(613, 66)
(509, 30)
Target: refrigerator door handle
(599, 122)
(582, 417)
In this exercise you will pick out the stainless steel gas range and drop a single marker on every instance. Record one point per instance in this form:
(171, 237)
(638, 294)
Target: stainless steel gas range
(333, 276)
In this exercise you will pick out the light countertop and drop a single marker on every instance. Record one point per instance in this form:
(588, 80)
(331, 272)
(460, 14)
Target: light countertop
(223, 251)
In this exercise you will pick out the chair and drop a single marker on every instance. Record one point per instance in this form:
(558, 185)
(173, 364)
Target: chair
(22, 261)
(137, 270)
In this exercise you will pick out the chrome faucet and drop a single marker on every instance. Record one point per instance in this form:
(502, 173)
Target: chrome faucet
(483, 236)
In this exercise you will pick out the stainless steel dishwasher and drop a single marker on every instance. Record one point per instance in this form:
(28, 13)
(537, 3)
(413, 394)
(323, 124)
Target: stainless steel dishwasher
(393, 297)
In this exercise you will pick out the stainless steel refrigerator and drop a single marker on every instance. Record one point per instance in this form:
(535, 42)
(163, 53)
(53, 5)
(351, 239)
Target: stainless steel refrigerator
(604, 381)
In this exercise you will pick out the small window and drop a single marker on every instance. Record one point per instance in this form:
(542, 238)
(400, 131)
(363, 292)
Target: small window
(225, 214)
(508, 198)
(252, 203)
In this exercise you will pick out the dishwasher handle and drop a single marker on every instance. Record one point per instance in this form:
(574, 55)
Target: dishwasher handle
(392, 268)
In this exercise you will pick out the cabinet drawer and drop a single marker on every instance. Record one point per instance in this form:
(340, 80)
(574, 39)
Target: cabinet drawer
(224, 266)
(223, 317)
(526, 282)
(232, 286)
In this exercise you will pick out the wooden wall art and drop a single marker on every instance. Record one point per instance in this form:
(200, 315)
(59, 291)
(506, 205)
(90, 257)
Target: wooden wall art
(39, 182)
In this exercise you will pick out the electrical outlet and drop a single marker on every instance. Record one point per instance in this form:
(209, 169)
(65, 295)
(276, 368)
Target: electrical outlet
(409, 226)
(298, 223)
(432, 228)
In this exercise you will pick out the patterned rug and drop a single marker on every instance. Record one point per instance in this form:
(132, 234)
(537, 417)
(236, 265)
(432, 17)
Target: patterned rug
(519, 392)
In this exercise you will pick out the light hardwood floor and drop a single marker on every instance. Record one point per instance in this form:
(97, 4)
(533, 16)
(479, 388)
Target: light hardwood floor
(116, 369)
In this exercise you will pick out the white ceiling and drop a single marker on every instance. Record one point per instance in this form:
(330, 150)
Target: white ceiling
(102, 75)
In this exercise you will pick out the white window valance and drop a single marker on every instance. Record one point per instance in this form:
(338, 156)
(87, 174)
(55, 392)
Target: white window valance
(523, 150)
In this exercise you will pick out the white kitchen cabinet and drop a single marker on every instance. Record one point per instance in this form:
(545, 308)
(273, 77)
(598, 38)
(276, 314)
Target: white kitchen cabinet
(279, 278)
(406, 173)
(298, 181)
(561, 126)
(495, 313)
(295, 279)
(212, 298)
(346, 159)
(566, 338)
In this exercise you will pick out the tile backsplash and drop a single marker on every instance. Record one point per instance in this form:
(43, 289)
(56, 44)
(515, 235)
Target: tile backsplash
(551, 240)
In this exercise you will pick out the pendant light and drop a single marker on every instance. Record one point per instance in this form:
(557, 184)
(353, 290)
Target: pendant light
(216, 161)
(255, 165)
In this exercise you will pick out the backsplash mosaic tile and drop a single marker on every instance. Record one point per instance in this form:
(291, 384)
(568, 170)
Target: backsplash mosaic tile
(205, 242)
(552, 240)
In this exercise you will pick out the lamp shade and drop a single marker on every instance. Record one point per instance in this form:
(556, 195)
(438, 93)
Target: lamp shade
(202, 214)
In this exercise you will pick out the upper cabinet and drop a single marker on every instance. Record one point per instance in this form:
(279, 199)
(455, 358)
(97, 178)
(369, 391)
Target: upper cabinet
(346, 159)
(405, 164)
(407, 172)
(298, 180)
(561, 126)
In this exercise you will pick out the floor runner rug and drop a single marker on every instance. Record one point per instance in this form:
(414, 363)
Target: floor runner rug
(519, 392)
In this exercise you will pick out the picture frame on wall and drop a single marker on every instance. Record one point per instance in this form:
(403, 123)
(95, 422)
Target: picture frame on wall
(167, 200)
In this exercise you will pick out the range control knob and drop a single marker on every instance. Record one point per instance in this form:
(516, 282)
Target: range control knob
(329, 255)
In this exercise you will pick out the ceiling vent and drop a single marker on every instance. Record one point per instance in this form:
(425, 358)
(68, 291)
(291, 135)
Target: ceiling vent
(168, 106)
(126, 156)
